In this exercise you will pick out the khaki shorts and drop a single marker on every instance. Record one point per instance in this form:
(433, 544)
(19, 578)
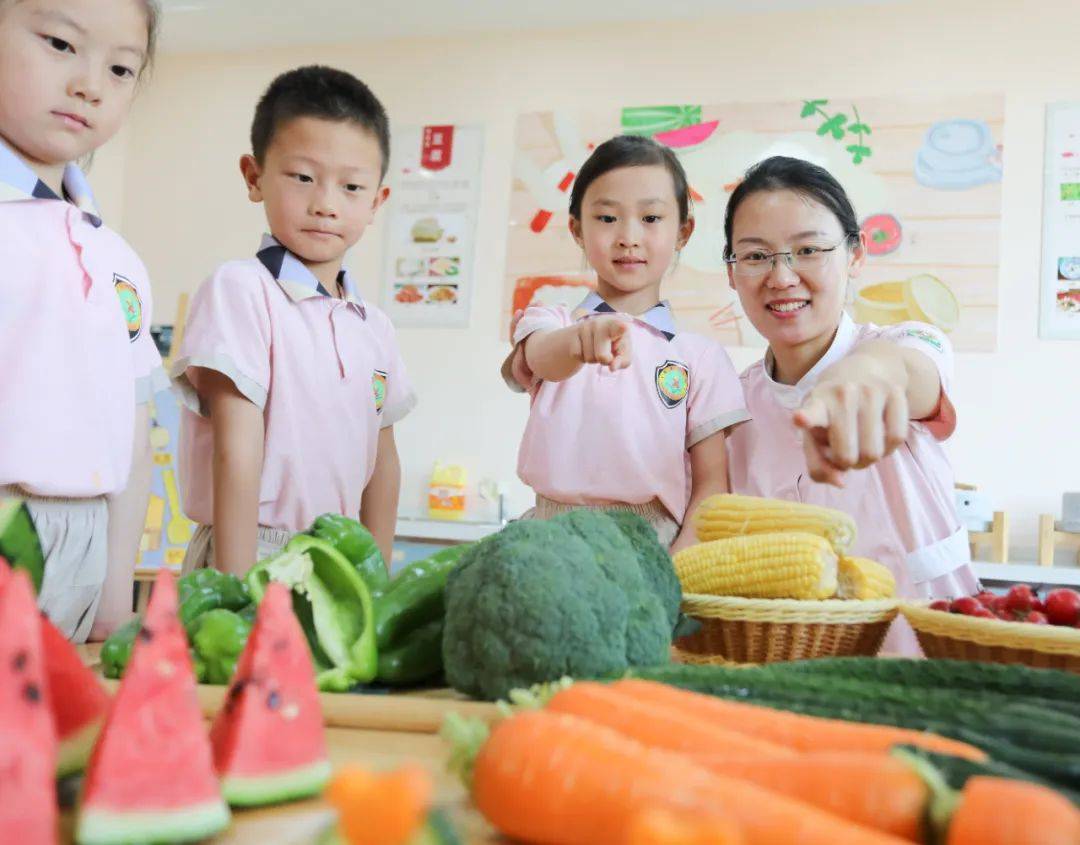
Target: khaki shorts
(667, 529)
(74, 535)
(200, 551)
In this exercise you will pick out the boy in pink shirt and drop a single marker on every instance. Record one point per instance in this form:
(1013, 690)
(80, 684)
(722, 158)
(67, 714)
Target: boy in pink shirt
(844, 415)
(626, 411)
(79, 364)
(291, 382)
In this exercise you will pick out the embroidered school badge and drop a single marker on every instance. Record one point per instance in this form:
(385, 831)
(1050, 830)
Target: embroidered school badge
(130, 305)
(378, 388)
(672, 383)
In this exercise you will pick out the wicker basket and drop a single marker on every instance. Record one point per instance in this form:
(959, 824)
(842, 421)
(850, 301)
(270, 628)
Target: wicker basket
(738, 630)
(962, 637)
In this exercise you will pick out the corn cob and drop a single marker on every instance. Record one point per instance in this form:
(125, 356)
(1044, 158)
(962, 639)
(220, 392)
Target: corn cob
(765, 566)
(727, 515)
(862, 578)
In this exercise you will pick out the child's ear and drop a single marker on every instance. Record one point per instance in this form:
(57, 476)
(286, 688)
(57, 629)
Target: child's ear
(381, 196)
(685, 231)
(730, 275)
(251, 172)
(575, 231)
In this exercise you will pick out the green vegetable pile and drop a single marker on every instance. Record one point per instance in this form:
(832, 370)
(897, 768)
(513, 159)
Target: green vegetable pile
(587, 594)
(361, 626)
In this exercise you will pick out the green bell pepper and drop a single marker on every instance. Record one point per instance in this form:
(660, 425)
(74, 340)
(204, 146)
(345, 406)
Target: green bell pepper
(417, 658)
(414, 597)
(333, 605)
(355, 542)
(116, 650)
(208, 589)
(218, 638)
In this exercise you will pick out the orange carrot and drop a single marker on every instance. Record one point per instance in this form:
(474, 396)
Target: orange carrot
(874, 790)
(656, 725)
(802, 733)
(658, 826)
(996, 811)
(380, 809)
(553, 778)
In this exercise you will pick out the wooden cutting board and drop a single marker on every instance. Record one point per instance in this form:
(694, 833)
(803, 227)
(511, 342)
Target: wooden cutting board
(302, 823)
(421, 711)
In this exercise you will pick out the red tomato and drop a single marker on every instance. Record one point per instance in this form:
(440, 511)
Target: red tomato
(1001, 607)
(1020, 597)
(982, 613)
(985, 598)
(967, 605)
(1063, 607)
(1036, 618)
(940, 604)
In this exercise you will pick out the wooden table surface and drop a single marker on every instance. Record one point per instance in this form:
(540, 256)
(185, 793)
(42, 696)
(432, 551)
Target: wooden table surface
(301, 823)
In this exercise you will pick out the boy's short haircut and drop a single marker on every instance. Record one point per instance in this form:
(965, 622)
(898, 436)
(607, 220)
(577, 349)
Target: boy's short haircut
(320, 92)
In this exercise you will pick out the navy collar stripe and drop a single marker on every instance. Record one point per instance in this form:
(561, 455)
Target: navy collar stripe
(659, 316)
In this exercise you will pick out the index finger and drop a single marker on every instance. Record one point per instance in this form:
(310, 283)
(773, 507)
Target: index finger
(814, 414)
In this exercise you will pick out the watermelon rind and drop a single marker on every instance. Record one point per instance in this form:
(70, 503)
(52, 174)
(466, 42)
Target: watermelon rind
(19, 540)
(179, 824)
(256, 790)
(75, 750)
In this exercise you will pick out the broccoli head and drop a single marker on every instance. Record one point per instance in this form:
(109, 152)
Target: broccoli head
(648, 634)
(527, 605)
(654, 560)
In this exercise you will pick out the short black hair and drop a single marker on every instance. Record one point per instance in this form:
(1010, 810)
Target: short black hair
(321, 92)
(630, 151)
(783, 173)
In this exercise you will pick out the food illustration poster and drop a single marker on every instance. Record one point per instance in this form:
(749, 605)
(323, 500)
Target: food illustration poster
(428, 270)
(924, 175)
(1060, 290)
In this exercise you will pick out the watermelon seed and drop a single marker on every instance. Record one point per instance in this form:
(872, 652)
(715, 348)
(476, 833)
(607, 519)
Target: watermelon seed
(280, 645)
(19, 661)
(273, 700)
(31, 692)
(290, 712)
(145, 634)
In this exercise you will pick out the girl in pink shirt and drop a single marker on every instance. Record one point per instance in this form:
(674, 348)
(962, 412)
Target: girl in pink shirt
(626, 411)
(75, 310)
(845, 415)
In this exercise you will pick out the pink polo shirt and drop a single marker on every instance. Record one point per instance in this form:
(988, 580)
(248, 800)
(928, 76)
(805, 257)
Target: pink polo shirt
(326, 373)
(903, 505)
(75, 342)
(602, 437)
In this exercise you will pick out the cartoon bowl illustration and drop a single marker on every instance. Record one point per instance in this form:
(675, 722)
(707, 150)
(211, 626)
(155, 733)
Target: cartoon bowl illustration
(957, 154)
(924, 298)
(882, 304)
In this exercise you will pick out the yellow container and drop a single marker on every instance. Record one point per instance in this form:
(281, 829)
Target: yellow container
(446, 493)
(924, 298)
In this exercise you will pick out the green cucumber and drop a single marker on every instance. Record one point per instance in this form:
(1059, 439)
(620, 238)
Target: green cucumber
(1009, 679)
(957, 770)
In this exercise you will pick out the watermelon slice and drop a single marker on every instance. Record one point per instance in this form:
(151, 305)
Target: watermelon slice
(27, 739)
(76, 698)
(268, 737)
(687, 136)
(151, 775)
(19, 540)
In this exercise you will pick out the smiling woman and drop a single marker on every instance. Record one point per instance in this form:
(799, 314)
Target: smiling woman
(844, 415)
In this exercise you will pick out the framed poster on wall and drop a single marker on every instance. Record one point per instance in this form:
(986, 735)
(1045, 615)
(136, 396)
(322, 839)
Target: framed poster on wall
(429, 253)
(1059, 307)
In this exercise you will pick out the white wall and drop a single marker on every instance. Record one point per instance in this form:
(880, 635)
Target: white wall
(184, 209)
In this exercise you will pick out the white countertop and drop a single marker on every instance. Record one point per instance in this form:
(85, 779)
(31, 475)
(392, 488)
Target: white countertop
(1028, 573)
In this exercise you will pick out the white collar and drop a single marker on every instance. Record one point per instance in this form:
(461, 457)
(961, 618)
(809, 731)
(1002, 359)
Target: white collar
(792, 396)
